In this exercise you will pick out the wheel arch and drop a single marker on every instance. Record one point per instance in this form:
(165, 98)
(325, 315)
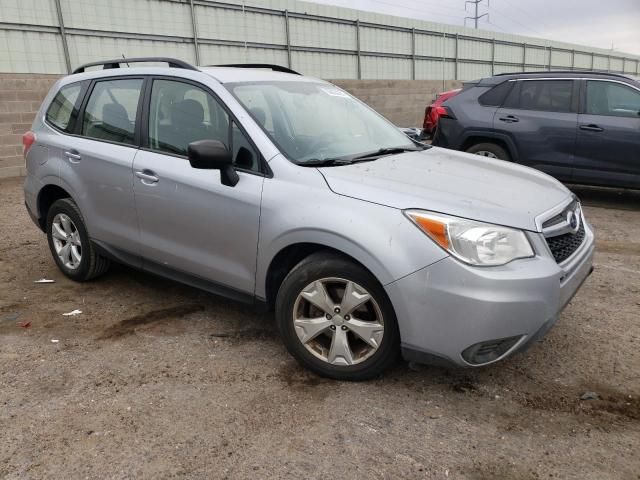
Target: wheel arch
(504, 141)
(47, 195)
(289, 256)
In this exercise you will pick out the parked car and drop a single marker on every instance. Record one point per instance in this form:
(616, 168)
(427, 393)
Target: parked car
(580, 127)
(432, 112)
(284, 191)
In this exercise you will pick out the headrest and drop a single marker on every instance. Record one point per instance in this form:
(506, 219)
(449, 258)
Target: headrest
(187, 113)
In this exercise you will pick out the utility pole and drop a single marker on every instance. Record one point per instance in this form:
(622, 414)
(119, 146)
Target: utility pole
(476, 17)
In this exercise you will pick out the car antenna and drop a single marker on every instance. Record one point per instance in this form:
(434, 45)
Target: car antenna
(124, 58)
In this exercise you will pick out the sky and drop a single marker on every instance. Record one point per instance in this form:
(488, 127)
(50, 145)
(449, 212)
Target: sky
(612, 24)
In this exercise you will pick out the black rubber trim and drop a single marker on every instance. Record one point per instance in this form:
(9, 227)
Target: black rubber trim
(38, 221)
(149, 266)
(419, 356)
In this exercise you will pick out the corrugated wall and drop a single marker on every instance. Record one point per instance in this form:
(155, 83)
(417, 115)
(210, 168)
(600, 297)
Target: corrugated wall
(49, 36)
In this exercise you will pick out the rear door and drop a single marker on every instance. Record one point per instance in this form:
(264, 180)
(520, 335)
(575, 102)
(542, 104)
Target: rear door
(608, 149)
(189, 221)
(98, 160)
(540, 117)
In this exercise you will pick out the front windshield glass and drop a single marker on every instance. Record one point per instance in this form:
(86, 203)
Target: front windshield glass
(312, 122)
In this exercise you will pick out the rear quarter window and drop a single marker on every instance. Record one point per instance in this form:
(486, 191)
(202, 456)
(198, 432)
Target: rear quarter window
(63, 110)
(495, 97)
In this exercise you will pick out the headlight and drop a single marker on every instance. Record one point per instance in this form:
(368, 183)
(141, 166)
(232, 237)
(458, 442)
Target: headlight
(475, 243)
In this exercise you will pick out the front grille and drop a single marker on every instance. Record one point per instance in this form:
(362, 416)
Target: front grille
(563, 246)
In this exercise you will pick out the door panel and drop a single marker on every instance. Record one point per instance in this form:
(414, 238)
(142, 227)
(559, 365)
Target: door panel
(188, 220)
(538, 117)
(99, 161)
(101, 173)
(608, 145)
(192, 223)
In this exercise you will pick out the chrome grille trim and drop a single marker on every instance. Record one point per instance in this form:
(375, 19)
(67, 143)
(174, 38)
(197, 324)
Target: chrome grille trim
(564, 231)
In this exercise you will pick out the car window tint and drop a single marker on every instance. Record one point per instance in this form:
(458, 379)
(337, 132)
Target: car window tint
(542, 95)
(63, 108)
(181, 113)
(245, 156)
(495, 97)
(610, 98)
(111, 110)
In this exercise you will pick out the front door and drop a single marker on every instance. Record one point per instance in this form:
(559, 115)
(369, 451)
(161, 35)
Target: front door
(189, 222)
(608, 150)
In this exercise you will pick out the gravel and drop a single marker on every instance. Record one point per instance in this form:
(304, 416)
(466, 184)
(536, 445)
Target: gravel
(158, 380)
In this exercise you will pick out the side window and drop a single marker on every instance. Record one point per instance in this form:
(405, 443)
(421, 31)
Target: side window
(614, 99)
(181, 113)
(496, 95)
(63, 110)
(542, 95)
(111, 110)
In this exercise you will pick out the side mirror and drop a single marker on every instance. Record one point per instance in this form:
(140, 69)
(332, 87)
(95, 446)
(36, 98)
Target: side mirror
(213, 155)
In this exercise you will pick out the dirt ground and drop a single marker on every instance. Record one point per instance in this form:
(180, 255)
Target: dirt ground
(158, 380)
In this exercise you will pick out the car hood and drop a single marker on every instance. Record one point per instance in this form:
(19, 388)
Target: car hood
(451, 182)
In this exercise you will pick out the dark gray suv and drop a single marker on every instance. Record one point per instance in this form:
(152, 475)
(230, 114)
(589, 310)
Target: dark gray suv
(580, 127)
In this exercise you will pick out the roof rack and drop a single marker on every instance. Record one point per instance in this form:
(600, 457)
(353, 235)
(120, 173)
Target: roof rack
(106, 64)
(275, 68)
(563, 72)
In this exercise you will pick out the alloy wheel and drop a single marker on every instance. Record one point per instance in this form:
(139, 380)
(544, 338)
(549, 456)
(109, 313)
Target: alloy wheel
(66, 241)
(338, 321)
(486, 153)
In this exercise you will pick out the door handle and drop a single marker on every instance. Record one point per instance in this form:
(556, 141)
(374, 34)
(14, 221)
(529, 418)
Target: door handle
(147, 177)
(73, 156)
(509, 119)
(591, 128)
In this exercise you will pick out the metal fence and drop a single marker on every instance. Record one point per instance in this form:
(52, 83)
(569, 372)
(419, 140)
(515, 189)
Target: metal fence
(53, 36)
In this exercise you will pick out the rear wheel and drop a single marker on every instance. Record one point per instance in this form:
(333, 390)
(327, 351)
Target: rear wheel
(336, 319)
(69, 243)
(490, 150)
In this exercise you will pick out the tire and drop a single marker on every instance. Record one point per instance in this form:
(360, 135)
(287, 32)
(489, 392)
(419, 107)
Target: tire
(64, 215)
(489, 150)
(376, 319)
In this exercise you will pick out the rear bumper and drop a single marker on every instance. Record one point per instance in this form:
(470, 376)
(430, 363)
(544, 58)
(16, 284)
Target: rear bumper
(31, 189)
(447, 308)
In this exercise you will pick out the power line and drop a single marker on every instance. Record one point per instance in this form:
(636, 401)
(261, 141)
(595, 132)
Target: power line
(476, 17)
(406, 7)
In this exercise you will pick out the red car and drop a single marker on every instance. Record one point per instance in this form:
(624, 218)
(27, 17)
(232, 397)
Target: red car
(433, 111)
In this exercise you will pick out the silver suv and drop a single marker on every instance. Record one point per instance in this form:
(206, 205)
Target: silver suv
(283, 190)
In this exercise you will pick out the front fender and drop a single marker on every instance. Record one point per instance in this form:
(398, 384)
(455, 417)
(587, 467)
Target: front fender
(303, 209)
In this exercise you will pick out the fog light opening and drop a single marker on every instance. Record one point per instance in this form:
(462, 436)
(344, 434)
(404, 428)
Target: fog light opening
(490, 350)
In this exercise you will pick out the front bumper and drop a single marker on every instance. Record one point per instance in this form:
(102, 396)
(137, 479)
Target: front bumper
(448, 307)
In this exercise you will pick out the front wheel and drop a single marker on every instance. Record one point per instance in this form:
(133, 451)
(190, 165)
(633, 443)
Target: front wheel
(336, 319)
(490, 150)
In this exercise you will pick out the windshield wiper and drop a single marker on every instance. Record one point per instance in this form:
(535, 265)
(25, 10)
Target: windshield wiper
(325, 162)
(385, 151)
(364, 157)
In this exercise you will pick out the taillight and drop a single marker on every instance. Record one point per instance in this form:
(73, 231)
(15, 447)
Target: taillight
(28, 139)
(444, 112)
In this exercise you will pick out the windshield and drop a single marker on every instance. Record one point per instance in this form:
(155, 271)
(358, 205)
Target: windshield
(312, 122)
